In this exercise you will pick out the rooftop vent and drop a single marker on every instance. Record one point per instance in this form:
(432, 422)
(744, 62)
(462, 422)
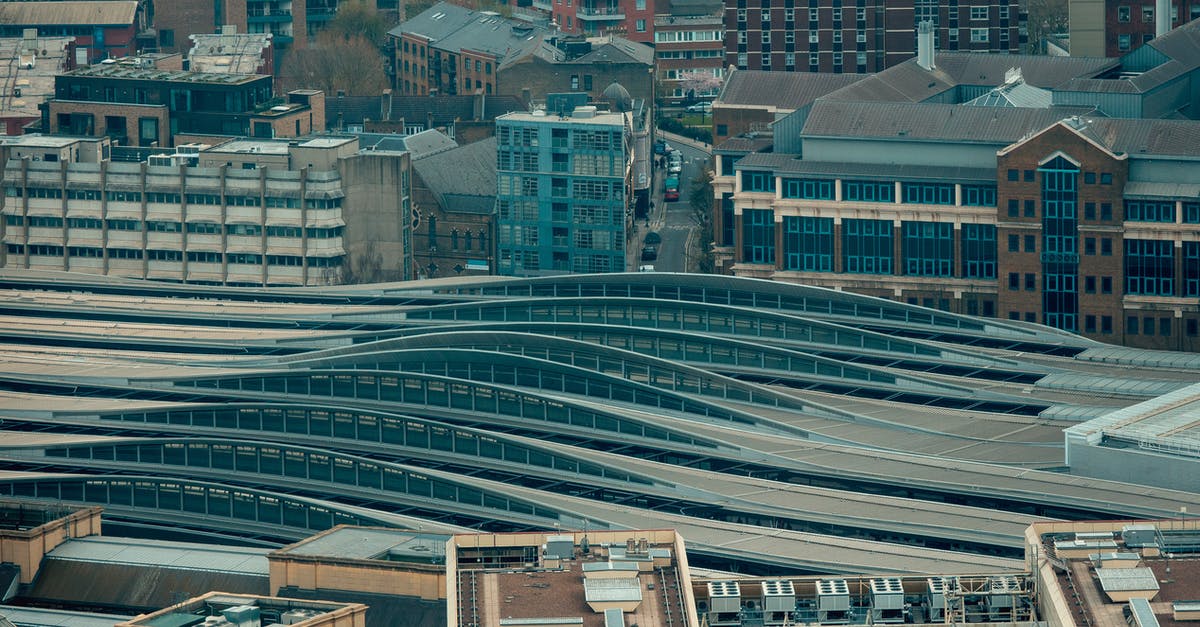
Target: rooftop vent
(724, 597)
(833, 602)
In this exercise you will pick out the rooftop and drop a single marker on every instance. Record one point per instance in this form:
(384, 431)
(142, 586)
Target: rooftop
(69, 12)
(222, 604)
(114, 71)
(368, 543)
(1168, 422)
(928, 121)
(30, 73)
(453, 28)
(783, 90)
(239, 53)
(468, 170)
(600, 118)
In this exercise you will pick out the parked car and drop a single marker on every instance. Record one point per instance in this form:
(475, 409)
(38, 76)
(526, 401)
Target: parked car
(674, 163)
(661, 147)
(653, 238)
(701, 107)
(670, 192)
(649, 253)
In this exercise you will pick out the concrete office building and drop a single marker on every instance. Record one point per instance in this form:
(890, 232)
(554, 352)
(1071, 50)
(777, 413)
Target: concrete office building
(563, 192)
(242, 212)
(861, 37)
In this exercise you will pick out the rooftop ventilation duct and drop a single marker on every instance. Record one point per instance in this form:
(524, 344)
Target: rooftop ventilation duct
(925, 45)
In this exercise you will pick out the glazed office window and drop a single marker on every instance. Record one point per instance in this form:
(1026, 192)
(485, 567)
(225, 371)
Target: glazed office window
(1191, 212)
(1191, 269)
(1149, 211)
(1150, 267)
(727, 163)
(929, 193)
(756, 181)
(979, 195)
(808, 189)
(758, 239)
(868, 191)
(867, 246)
(808, 244)
(979, 251)
(928, 248)
(727, 219)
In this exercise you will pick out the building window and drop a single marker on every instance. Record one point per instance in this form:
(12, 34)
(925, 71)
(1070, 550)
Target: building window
(808, 189)
(808, 244)
(1191, 269)
(1089, 246)
(1106, 247)
(1060, 261)
(1123, 42)
(1089, 324)
(979, 13)
(1150, 267)
(1106, 178)
(1089, 210)
(868, 191)
(641, 26)
(1014, 243)
(1191, 211)
(1089, 284)
(1149, 211)
(727, 218)
(1106, 285)
(166, 38)
(1123, 14)
(758, 240)
(1030, 209)
(867, 246)
(640, 5)
(1030, 282)
(979, 251)
(1014, 207)
(741, 15)
(979, 35)
(928, 248)
(1014, 281)
(755, 181)
(1106, 324)
(979, 195)
(766, 15)
(929, 193)
(1148, 14)
(1030, 243)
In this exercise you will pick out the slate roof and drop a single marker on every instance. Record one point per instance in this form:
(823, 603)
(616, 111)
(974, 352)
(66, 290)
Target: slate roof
(463, 178)
(783, 90)
(929, 121)
(428, 142)
(909, 82)
(453, 28)
(789, 164)
(414, 109)
(747, 144)
(619, 50)
(1176, 138)
(1181, 54)
(99, 12)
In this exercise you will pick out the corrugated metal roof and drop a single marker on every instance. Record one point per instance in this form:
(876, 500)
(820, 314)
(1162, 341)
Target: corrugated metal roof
(140, 552)
(1146, 189)
(928, 121)
(67, 12)
(1179, 138)
(790, 164)
(782, 90)
(41, 617)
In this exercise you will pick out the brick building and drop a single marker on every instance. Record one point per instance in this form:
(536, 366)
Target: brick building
(1111, 28)
(1013, 201)
(102, 29)
(285, 20)
(689, 53)
(632, 19)
(860, 37)
(140, 106)
(455, 193)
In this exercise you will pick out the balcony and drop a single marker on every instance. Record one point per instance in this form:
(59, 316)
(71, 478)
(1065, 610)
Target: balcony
(319, 13)
(543, 5)
(258, 15)
(602, 14)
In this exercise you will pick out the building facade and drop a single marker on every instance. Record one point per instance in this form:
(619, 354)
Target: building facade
(633, 19)
(146, 106)
(244, 212)
(861, 37)
(1111, 28)
(689, 54)
(102, 30)
(563, 192)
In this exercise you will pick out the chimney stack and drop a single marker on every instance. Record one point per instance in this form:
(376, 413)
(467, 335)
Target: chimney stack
(385, 104)
(1162, 17)
(925, 45)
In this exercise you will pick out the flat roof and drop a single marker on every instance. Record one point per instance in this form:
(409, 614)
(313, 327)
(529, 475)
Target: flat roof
(601, 590)
(367, 543)
(43, 617)
(600, 118)
(1127, 579)
(119, 71)
(165, 554)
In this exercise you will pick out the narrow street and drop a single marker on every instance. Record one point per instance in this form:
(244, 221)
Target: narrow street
(673, 220)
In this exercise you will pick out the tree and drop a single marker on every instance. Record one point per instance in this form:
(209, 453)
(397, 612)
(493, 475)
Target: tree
(698, 83)
(1045, 17)
(336, 62)
(362, 266)
(700, 197)
(358, 19)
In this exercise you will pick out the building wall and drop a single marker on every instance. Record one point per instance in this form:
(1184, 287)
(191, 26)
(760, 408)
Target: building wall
(865, 38)
(561, 206)
(103, 114)
(216, 225)
(391, 578)
(689, 46)
(26, 548)
(541, 77)
(732, 121)
(447, 240)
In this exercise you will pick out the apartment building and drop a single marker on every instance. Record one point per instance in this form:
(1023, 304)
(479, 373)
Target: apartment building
(315, 211)
(138, 104)
(689, 54)
(1111, 28)
(103, 29)
(563, 192)
(863, 36)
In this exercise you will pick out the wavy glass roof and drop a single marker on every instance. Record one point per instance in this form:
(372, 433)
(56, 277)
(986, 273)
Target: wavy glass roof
(777, 427)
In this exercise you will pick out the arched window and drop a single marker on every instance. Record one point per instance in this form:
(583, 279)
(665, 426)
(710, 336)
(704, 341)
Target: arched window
(432, 232)
(453, 239)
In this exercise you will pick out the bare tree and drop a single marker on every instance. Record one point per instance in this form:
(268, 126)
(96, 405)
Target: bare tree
(1046, 17)
(336, 62)
(700, 197)
(359, 19)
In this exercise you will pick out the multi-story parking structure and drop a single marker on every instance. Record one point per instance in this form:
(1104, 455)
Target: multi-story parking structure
(777, 427)
(241, 212)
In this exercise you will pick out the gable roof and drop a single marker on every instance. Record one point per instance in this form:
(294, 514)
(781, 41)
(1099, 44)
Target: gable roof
(782, 90)
(465, 176)
(452, 28)
(619, 50)
(96, 12)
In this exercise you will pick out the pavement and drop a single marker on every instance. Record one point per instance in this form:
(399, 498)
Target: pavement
(672, 220)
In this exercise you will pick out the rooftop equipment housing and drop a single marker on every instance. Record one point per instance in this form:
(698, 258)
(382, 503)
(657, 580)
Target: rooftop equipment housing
(1003, 596)
(942, 596)
(833, 602)
(779, 601)
(887, 600)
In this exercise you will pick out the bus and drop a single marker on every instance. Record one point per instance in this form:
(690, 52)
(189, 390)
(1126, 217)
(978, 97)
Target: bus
(671, 189)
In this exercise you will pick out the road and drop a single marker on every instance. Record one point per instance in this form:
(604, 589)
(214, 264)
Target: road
(673, 220)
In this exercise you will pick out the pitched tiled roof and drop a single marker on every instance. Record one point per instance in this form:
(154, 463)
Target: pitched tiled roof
(783, 90)
(97, 12)
(619, 50)
(1177, 138)
(928, 121)
(453, 28)
(466, 171)
(427, 143)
